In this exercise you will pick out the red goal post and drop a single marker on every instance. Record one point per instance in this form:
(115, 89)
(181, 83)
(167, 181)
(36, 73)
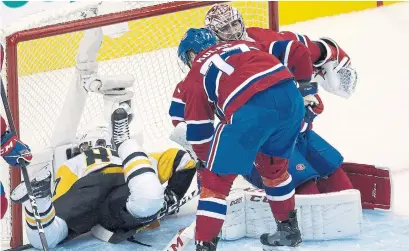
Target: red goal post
(24, 45)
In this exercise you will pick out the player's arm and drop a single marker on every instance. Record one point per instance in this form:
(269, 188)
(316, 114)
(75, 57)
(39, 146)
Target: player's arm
(313, 47)
(12, 149)
(295, 56)
(268, 36)
(322, 50)
(199, 117)
(177, 106)
(176, 167)
(332, 65)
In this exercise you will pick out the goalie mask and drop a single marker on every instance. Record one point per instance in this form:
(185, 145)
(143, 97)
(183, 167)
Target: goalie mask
(225, 22)
(94, 138)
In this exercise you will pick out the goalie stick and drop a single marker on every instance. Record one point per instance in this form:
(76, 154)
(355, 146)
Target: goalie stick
(182, 238)
(24, 171)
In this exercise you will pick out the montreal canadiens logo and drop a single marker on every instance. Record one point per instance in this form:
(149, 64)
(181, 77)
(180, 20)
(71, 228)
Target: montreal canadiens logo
(300, 167)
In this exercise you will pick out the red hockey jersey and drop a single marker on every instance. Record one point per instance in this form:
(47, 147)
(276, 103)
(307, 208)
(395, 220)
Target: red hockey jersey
(268, 36)
(226, 76)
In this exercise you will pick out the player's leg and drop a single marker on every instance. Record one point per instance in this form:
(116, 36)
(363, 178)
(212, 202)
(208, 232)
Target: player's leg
(146, 196)
(233, 151)
(302, 173)
(309, 187)
(335, 182)
(287, 106)
(55, 228)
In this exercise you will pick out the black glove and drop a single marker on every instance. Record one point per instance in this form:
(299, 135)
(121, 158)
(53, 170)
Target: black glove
(171, 205)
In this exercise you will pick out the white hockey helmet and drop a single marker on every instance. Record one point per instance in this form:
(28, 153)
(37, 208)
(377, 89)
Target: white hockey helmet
(99, 136)
(225, 21)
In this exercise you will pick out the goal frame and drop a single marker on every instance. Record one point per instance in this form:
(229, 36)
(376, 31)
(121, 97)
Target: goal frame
(11, 59)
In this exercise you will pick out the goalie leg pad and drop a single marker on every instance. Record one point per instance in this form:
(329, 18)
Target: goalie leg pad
(321, 217)
(373, 182)
(234, 226)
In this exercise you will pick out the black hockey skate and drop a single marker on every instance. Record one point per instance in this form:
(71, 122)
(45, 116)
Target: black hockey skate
(41, 186)
(121, 118)
(287, 234)
(207, 246)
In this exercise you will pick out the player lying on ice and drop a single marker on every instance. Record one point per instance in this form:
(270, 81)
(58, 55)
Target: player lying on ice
(316, 166)
(121, 190)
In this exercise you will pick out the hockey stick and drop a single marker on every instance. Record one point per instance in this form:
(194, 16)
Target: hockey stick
(182, 238)
(105, 235)
(24, 171)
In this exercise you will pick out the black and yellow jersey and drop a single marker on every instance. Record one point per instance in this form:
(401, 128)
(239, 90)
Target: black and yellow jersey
(174, 166)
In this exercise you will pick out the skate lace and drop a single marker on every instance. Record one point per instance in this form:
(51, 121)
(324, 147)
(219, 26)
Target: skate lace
(121, 131)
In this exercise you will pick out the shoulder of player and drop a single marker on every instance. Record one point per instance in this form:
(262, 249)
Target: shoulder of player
(262, 34)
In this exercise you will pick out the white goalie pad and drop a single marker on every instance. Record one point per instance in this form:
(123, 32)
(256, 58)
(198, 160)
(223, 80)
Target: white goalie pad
(320, 217)
(339, 81)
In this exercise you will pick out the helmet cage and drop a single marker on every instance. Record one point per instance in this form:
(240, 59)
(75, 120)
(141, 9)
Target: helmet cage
(225, 22)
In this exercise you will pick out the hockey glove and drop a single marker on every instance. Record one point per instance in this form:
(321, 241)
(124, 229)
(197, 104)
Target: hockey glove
(171, 203)
(14, 151)
(313, 107)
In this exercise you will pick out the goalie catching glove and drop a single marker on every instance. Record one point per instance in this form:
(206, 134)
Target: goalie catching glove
(334, 72)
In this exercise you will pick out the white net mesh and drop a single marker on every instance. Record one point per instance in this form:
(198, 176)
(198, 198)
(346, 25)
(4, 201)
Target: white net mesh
(147, 51)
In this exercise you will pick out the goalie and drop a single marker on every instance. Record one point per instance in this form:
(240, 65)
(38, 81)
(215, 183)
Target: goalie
(119, 190)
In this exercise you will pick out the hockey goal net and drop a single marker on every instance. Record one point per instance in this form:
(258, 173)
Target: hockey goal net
(140, 38)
